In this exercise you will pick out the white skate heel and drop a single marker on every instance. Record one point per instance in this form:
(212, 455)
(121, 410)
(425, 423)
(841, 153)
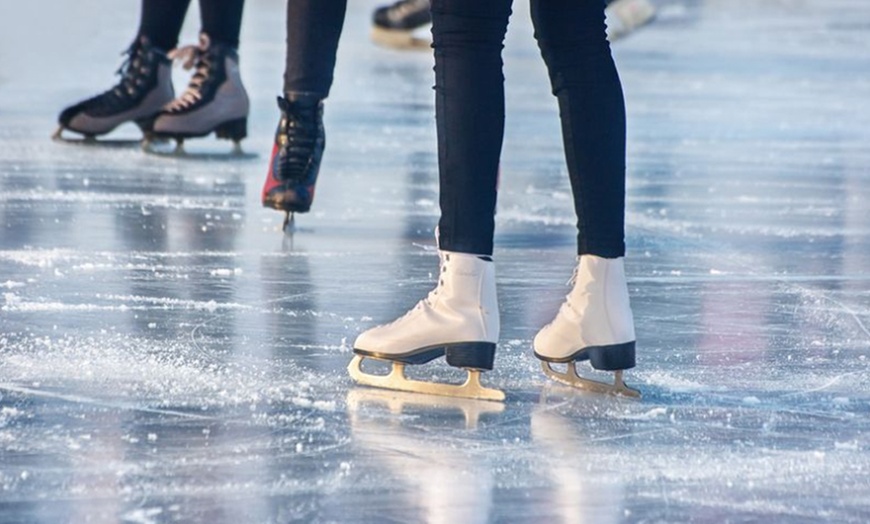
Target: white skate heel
(458, 320)
(595, 324)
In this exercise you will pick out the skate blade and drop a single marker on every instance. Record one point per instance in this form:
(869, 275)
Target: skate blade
(396, 402)
(397, 39)
(163, 148)
(396, 380)
(89, 140)
(571, 378)
(289, 226)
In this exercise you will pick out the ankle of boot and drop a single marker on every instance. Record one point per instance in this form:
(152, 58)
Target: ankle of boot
(303, 98)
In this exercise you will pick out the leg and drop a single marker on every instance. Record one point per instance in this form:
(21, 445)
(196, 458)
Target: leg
(469, 110)
(222, 20)
(313, 31)
(146, 77)
(215, 99)
(459, 319)
(161, 21)
(572, 39)
(595, 321)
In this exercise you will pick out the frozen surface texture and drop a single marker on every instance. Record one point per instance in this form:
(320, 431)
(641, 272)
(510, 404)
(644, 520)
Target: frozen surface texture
(167, 355)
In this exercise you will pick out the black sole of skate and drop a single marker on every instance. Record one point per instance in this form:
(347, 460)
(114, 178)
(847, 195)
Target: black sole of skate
(613, 357)
(466, 355)
(236, 130)
(278, 205)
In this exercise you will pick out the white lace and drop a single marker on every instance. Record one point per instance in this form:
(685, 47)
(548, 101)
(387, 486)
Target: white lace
(430, 298)
(442, 268)
(573, 278)
(189, 57)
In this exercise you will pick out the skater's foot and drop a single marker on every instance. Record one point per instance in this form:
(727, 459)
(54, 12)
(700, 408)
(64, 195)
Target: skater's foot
(458, 320)
(396, 25)
(296, 155)
(145, 86)
(215, 101)
(595, 324)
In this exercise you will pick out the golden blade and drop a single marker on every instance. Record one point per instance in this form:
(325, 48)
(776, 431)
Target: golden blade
(396, 380)
(571, 378)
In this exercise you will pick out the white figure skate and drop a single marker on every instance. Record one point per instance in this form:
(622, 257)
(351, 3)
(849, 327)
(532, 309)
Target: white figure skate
(594, 324)
(458, 320)
(624, 16)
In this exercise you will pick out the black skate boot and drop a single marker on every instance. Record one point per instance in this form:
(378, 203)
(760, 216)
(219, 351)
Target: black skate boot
(145, 86)
(395, 25)
(214, 101)
(296, 155)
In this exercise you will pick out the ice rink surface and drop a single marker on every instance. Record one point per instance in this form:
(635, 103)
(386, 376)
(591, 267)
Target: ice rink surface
(168, 355)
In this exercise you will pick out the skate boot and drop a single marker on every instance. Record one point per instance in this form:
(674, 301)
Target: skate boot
(296, 155)
(624, 16)
(145, 86)
(214, 101)
(458, 320)
(396, 25)
(594, 324)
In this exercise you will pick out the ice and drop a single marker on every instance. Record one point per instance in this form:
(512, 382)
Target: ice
(168, 355)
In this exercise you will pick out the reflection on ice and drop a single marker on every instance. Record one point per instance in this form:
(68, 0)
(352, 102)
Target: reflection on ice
(582, 490)
(434, 475)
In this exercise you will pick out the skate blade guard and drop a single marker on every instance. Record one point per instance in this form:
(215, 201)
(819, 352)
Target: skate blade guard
(396, 380)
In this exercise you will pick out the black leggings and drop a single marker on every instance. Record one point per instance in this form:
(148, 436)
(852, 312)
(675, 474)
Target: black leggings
(161, 21)
(469, 105)
(469, 85)
(313, 31)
